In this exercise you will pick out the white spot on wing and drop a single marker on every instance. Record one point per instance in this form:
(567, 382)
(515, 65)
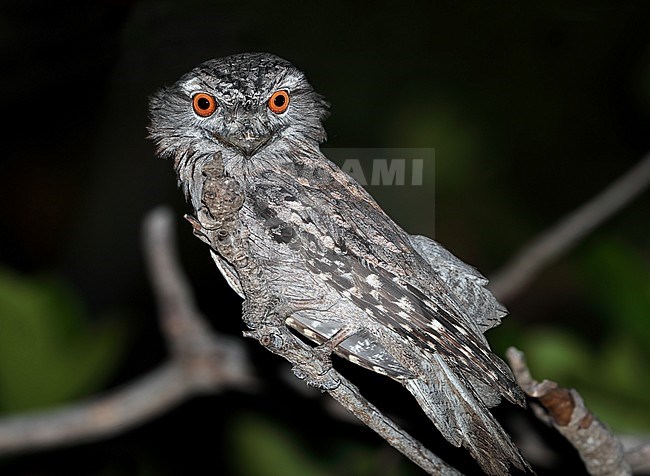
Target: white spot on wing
(354, 359)
(405, 303)
(328, 242)
(379, 370)
(373, 280)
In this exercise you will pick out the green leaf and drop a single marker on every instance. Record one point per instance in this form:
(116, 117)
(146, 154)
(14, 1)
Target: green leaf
(262, 448)
(49, 351)
(618, 277)
(625, 366)
(555, 355)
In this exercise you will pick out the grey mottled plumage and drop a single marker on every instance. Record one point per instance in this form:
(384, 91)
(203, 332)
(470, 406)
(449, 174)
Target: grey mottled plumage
(345, 274)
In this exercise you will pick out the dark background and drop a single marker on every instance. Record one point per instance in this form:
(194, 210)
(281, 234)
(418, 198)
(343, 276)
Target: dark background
(532, 109)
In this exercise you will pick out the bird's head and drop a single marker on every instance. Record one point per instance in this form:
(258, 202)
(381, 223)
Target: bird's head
(244, 106)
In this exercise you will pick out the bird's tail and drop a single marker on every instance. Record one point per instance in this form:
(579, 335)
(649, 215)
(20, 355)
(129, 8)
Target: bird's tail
(463, 419)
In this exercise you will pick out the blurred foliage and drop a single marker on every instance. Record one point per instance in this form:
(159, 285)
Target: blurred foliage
(49, 350)
(261, 447)
(612, 373)
(272, 447)
(618, 277)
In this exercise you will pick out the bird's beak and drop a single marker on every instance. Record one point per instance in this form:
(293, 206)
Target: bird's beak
(250, 142)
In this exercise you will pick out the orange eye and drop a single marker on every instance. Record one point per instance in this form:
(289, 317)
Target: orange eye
(204, 104)
(279, 102)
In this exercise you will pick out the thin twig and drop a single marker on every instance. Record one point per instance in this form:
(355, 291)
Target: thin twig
(180, 320)
(515, 275)
(200, 362)
(209, 358)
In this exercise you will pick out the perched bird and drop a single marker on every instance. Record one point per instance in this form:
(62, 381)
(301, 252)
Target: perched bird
(348, 277)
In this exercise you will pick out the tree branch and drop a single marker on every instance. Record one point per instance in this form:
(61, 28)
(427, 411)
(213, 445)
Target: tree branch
(638, 456)
(600, 450)
(200, 362)
(97, 418)
(517, 273)
(309, 367)
(348, 395)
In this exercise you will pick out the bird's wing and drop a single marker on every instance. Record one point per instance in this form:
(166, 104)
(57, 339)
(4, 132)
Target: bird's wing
(374, 263)
(464, 281)
(410, 316)
(427, 321)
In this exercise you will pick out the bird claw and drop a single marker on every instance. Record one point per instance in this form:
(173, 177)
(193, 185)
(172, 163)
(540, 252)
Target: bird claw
(323, 354)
